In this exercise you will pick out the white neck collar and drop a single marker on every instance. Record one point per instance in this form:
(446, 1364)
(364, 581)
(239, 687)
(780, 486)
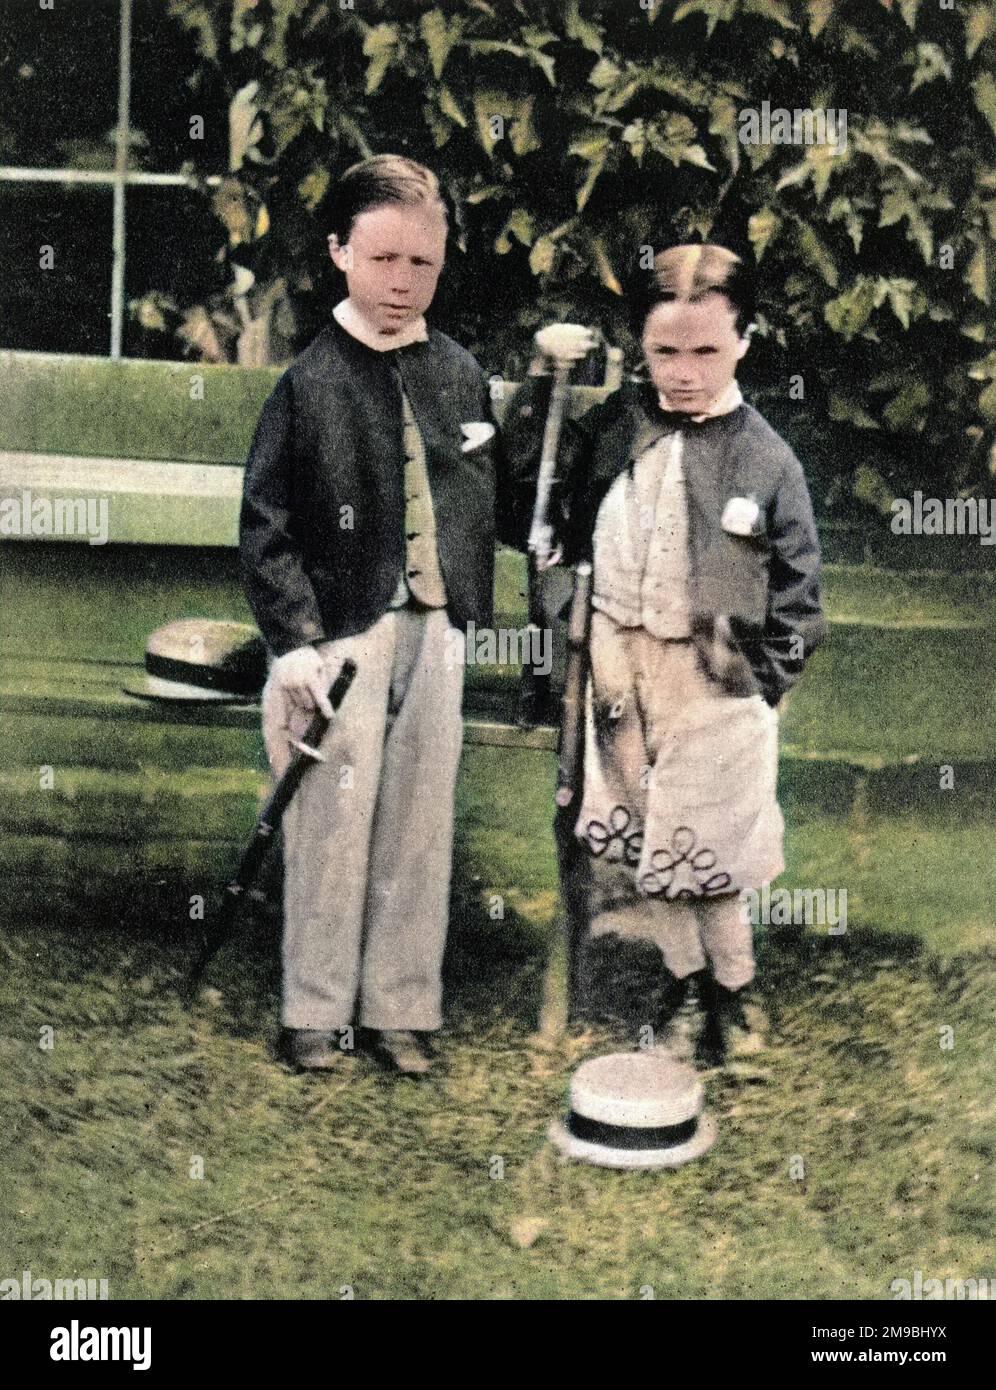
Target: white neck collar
(347, 316)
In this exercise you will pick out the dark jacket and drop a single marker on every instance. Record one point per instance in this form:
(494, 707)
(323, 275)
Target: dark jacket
(766, 584)
(321, 532)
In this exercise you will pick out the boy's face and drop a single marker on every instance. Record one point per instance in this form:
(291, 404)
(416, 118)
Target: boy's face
(692, 351)
(392, 262)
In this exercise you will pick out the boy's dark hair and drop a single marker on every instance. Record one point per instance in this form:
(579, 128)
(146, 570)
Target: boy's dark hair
(383, 178)
(687, 274)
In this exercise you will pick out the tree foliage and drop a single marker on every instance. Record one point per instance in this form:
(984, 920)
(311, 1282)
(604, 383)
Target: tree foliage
(572, 133)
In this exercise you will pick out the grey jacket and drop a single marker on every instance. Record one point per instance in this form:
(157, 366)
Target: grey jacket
(766, 584)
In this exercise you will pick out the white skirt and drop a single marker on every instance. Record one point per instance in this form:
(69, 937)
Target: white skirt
(680, 783)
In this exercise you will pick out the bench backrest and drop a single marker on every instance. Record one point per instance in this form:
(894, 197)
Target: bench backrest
(163, 442)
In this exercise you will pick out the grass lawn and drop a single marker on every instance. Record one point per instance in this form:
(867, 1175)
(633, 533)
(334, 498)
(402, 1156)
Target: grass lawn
(448, 1189)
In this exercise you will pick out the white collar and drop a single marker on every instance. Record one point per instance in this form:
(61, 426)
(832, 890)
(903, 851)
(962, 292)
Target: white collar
(347, 316)
(722, 405)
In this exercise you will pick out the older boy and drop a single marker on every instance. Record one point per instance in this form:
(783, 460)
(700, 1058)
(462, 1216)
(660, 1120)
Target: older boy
(368, 531)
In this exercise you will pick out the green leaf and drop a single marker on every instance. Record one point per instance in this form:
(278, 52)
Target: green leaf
(521, 133)
(448, 106)
(841, 208)
(978, 27)
(853, 41)
(489, 190)
(581, 30)
(516, 114)
(519, 225)
(816, 254)
(907, 408)
(931, 63)
(850, 311)
(595, 151)
(798, 173)
(603, 265)
(874, 141)
(868, 486)
(773, 10)
(536, 37)
(591, 146)
(439, 38)
(441, 128)
(313, 188)
(761, 229)
(871, 488)
(819, 13)
(541, 257)
(197, 18)
(716, 11)
(977, 272)
(898, 204)
(531, 55)
(984, 92)
(676, 141)
(826, 161)
(900, 294)
(695, 154)
(635, 137)
(908, 9)
(723, 122)
(987, 402)
(379, 45)
(604, 74)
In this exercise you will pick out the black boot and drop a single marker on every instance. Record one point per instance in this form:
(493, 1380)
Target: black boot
(733, 1025)
(674, 1023)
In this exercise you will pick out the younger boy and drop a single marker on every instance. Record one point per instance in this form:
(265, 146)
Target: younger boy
(368, 531)
(706, 606)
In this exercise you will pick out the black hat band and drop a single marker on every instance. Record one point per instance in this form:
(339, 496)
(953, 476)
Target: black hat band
(235, 681)
(626, 1137)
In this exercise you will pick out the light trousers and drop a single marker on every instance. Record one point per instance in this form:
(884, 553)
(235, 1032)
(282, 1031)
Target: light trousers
(368, 838)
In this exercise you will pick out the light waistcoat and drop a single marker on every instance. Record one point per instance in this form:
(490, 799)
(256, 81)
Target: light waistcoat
(422, 578)
(641, 538)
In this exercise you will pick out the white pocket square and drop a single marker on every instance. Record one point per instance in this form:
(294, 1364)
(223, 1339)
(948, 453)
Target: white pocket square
(476, 433)
(740, 515)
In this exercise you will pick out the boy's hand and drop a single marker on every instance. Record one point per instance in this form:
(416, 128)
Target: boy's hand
(565, 342)
(301, 678)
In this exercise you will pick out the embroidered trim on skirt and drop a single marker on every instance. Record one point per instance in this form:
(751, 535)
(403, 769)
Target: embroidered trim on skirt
(680, 778)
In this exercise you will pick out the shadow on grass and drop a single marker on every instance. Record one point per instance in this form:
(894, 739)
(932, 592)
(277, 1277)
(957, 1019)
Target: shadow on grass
(141, 939)
(626, 981)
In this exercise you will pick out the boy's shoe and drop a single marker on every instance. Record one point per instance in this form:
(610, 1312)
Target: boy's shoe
(401, 1051)
(675, 1019)
(734, 1025)
(311, 1049)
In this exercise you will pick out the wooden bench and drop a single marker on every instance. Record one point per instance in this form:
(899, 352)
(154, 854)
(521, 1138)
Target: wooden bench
(904, 683)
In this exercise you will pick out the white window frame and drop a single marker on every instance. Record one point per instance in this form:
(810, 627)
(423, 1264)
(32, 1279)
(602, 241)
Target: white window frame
(119, 179)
